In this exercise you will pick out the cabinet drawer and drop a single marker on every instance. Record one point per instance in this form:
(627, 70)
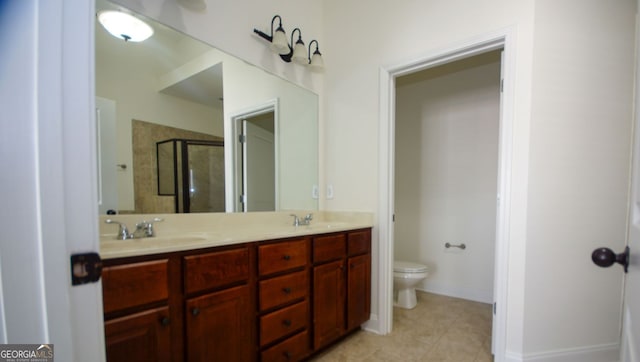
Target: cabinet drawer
(277, 291)
(293, 349)
(215, 269)
(331, 247)
(282, 256)
(283, 321)
(130, 285)
(358, 242)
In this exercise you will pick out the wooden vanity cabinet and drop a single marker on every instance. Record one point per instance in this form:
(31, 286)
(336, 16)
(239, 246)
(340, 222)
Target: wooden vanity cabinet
(358, 278)
(138, 321)
(341, 284)
(283, 300)
(144, 336)
(218, 312)
(279, 300)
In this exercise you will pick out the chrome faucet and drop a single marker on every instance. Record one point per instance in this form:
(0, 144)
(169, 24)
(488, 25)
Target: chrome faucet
(144, 229)
(123, 232)
(305, 221)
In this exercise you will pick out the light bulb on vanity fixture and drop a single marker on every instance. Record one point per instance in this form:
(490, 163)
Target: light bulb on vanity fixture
(296, 52)
(124, 26)
(278, 38)
(315, 60)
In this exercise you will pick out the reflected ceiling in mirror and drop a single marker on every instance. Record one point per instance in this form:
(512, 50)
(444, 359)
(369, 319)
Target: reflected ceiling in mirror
(175, 81)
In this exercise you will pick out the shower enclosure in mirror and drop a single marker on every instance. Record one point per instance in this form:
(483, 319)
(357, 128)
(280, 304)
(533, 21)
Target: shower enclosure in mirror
(173, 80)
(192, 172)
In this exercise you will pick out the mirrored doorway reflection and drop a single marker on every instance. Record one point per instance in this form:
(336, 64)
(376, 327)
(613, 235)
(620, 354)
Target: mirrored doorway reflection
(255, 161)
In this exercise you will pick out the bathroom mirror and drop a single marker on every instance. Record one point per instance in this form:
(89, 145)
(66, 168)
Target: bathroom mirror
(172, 86)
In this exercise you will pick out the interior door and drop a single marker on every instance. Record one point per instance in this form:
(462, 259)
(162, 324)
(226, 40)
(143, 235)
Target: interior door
(258, 168)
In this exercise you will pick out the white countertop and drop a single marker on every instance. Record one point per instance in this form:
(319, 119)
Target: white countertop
(180, 232)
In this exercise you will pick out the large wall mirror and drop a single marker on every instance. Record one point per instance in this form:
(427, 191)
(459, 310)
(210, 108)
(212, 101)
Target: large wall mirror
(182, 124)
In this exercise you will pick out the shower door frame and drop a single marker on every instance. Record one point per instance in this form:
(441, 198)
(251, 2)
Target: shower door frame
(181, 190)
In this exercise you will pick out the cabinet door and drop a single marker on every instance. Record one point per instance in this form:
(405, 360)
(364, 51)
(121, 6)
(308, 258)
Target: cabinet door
(142, 336)
(220, 326)
(328, 302)
(358, 290)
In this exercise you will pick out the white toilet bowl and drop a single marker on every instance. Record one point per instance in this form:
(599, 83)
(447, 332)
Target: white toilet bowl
(406, 275)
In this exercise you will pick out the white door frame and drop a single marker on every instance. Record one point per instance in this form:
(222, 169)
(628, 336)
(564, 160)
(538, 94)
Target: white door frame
(504, 39)
(233, 183)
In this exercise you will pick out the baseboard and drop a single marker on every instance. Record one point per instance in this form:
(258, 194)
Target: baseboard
(372, 325)
(601, 353)
(462, 293)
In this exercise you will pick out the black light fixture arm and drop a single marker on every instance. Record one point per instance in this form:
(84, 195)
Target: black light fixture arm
(266, 36)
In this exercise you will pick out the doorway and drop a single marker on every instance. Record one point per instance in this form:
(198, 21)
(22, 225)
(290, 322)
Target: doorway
(446, 167)
(254, 159)
(388, 76)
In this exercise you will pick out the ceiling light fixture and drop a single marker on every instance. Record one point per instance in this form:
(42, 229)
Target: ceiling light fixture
(124, 26)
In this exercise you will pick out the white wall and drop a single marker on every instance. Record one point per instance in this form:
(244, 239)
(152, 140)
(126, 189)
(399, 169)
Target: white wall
(446, 174)
(394, 33)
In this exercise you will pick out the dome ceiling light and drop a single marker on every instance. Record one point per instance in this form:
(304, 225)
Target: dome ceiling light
(124, 26)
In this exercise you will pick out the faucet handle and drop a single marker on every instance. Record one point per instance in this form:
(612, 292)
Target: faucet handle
(123, 232)
(149, 231)
(308, 217)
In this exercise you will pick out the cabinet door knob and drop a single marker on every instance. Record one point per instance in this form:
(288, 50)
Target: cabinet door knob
(165, 321)
(287, 354)
(286, 257)
(287, 322)
(286, 290)
(195, 311)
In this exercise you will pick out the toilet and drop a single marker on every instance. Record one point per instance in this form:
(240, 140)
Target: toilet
(406, 275)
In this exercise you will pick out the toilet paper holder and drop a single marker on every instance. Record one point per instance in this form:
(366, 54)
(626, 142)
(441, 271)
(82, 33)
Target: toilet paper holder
(449, 245)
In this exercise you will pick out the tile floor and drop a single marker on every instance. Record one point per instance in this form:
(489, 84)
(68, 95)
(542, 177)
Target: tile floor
(440, 328)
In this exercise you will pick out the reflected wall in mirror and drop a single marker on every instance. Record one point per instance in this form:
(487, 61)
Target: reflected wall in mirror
(173, 80)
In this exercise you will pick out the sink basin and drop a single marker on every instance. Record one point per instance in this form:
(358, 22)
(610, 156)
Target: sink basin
(173, 239)
(328, 225)
(166, 239)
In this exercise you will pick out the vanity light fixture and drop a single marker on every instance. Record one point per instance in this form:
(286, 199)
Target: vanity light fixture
(295, 52)
(315, 60)
(299, 52)
(278, 39)
(124, 26)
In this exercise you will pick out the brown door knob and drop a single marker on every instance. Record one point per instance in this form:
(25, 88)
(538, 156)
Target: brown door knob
(605, 257)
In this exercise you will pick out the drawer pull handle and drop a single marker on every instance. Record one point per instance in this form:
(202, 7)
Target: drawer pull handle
(286, 290)
(286, 257)
(195, 311)
(287, 323)
(287, 354)
(165, 321)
